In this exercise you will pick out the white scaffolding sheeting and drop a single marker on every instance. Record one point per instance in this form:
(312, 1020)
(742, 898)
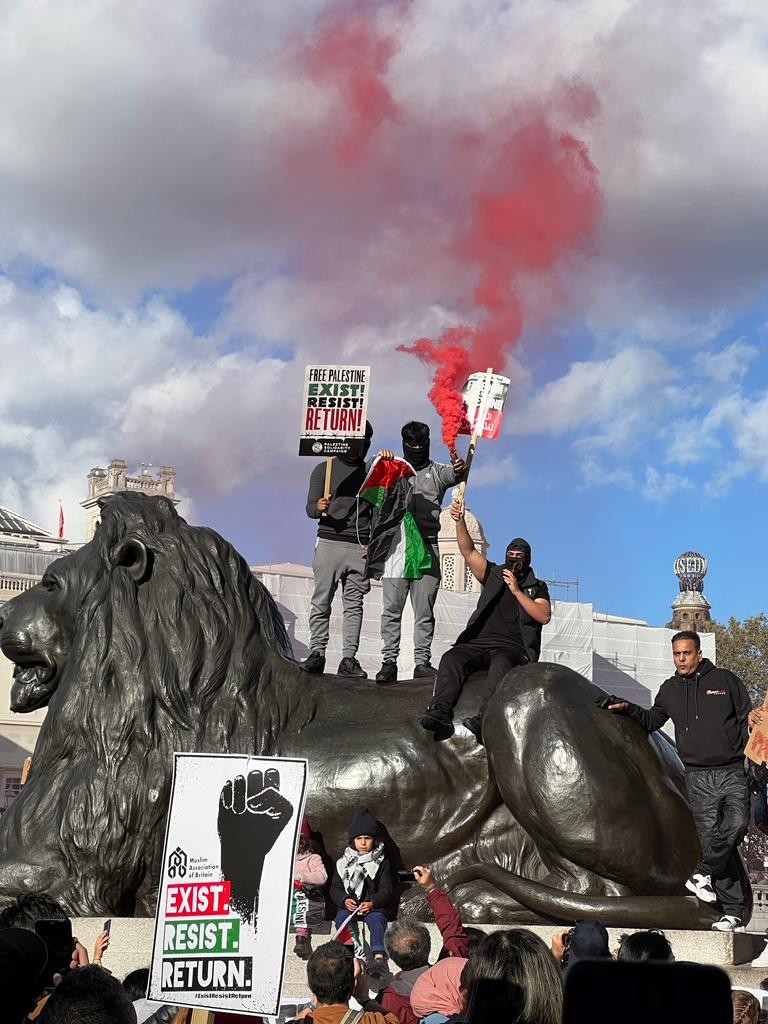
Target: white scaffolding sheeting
(623, 657)
(567, 639)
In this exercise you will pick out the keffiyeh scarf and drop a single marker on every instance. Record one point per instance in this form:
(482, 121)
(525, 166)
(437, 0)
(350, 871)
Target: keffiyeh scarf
(354, 867)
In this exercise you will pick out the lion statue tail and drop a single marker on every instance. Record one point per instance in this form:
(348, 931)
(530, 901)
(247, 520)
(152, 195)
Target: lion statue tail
(613, 911)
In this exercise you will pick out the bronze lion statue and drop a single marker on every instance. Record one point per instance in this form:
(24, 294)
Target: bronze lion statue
(155, 637)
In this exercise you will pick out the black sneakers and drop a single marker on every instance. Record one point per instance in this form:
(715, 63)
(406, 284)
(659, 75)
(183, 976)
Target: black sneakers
(437, 718)
(474, 725)
(352, 667)
(303, 947)
(315, 663)
(423, 671)
(387, 673)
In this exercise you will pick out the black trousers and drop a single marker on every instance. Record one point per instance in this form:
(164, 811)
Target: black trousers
(719, 799)
(458, 664)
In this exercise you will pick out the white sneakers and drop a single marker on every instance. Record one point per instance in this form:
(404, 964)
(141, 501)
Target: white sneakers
(727, 923)
(701, 887)
(762, 959)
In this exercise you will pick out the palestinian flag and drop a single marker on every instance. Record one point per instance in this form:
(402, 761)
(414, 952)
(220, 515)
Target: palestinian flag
(396, 548)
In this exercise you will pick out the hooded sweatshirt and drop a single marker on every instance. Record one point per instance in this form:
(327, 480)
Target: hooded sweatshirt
(709, 710)
(348, 518)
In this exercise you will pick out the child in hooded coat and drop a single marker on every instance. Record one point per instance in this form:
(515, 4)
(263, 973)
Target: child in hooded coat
(364, 881)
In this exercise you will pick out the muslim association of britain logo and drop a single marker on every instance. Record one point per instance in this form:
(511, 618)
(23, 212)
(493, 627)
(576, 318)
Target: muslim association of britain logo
(690, 569)
(177, 863)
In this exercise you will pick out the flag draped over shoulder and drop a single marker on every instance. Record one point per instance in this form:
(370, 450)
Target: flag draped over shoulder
(396, 548)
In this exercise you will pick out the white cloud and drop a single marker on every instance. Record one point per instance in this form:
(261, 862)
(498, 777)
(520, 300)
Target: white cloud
(618, 396)
(729, 364)
(662, 487)
(495, 471)
(166, 144)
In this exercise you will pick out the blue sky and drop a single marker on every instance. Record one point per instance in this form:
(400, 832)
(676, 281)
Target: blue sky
(175, 247)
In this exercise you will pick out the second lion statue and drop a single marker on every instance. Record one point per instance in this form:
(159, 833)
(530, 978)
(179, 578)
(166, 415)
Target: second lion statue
(156, 637)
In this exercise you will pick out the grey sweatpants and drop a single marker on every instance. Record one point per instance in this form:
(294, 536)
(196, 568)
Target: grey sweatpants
(423, 595)
(337, 562)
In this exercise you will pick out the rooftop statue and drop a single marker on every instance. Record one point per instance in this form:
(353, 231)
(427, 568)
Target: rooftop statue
(155, 637)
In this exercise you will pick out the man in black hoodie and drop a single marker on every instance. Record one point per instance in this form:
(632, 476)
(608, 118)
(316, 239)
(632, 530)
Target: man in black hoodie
(709, 707)
(342, 535)
(503, 631)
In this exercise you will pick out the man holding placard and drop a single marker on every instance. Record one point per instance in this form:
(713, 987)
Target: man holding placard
(343, 531)
(334, 424)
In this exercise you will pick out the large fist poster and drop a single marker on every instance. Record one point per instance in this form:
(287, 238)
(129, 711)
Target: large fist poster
(224, 901)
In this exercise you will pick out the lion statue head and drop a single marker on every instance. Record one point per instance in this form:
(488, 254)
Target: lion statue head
(153, 637)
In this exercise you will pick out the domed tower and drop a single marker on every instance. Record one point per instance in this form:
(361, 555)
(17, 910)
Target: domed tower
(455, 574)
(690, 609)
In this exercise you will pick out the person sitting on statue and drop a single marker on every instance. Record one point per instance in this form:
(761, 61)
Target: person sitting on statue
(504, 630)
(710, 709)
(363, 885)
(343, 530)
(427, 490)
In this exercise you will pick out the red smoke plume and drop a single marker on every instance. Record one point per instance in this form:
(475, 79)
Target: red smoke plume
(508, 202)
(352, 58)
(544, 207)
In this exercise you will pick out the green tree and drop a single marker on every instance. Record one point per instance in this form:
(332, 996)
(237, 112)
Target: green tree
(742, 648)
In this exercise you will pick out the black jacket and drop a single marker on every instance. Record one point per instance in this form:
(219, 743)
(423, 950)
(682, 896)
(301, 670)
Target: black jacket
(380, 889)
(709, 711)
(493, 585)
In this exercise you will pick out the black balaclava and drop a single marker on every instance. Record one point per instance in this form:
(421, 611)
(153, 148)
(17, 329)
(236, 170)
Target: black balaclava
(519, 566)
(415, 437)
(353, 460)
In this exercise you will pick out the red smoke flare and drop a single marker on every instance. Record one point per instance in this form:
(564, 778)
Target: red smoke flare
(508, 195)
(543, 211)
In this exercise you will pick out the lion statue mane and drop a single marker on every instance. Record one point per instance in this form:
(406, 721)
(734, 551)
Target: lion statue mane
(155, 637)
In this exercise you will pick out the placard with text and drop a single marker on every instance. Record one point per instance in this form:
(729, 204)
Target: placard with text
(334, 408)
(225, 896)
(484, 397)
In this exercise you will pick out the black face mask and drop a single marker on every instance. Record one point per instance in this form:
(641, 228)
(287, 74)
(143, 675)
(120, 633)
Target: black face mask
(518, 566)
(418, 457)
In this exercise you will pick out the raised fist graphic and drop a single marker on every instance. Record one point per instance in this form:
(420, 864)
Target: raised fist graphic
(252, 814)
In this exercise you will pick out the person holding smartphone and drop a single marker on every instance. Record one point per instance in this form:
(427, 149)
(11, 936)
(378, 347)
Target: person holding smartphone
(408, 945)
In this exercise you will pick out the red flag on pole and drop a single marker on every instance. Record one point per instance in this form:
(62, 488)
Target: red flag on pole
(61, 521)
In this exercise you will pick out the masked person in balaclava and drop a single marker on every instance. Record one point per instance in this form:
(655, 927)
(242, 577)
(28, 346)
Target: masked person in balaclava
(425, 499)
(504, 630)
(342, 535)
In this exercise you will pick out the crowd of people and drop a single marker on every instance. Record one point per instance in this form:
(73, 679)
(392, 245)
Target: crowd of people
(508, 974)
